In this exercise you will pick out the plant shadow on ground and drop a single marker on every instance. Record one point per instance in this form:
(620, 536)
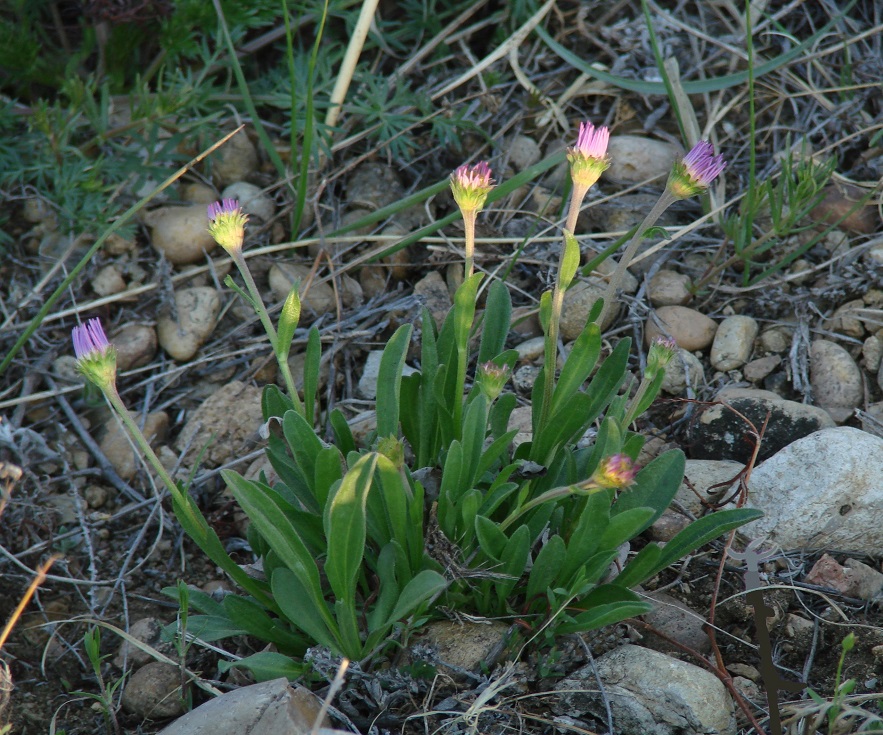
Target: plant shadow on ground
(84, 156)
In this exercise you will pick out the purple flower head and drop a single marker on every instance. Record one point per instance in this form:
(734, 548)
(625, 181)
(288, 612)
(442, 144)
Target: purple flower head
(471, 185)
(696, 171)
(588, 158)
(96, 356)
(227, 224)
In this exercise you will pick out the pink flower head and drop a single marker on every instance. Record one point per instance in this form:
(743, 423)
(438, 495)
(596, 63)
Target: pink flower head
(615, 472)
(227, 224)
(471, 185)
(96, 356)
(588, 158)
(696, 171)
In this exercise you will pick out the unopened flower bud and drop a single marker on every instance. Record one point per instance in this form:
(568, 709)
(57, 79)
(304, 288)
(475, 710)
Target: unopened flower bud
(661, 352)
(491, 378)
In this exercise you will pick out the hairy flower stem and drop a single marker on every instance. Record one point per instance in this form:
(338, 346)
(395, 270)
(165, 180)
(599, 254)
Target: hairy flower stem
(577, 195)
(469, 229)
(281, 351)
(177, 494)
(613, 285)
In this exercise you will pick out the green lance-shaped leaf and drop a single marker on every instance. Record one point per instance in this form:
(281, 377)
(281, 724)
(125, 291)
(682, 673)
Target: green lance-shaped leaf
(288, 321)
(570, 261)
(389, 379)
(345, 528)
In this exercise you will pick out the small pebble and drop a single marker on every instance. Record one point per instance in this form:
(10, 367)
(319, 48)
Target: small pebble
(531, 349)
(180, 233)
(108, 281)
(684, 368)
(733, 342)
(835, 378)
(757, 370)
(523, 152)
(154, 691)
(776, 339)
(872, 351)
(252, 199)
(434, 294)
(578, 302)
(236, 160)
(318, 298)
(634, 158)
(846, 320)
(691, 329)
(197, 310)
(135, 345)
(669, 288)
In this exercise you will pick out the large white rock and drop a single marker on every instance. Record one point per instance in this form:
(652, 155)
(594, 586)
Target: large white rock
(825, 490)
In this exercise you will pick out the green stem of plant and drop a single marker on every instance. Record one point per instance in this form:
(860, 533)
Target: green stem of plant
(553, 494)
(632, 409)
(177, 494)
(469, 230)
(550, 361)
(663, 203)
(278, 350)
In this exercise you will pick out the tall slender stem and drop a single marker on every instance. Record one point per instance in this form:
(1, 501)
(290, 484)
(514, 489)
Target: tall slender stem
(577, 195)
(280, 351)
(613, 285)
(469, 229)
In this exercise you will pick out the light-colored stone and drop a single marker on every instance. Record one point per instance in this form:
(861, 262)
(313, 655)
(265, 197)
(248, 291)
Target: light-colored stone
(154, 692)
(367, 387)
(433, 291)
(461, 647)
(711, 479)
(758, 369)
(846, 320)
(531, 349)
(318, 298)
(108, 281)
(523, 152)
(649, 693)
(733, 342)
(677, 621)
(872, 352)
(578, 302)
(223, 424)
(669, 288)
(634, 158)
(776, 339)
(180, 233)
(198, 309)
(685, 369)
(822, 491)
(835, 378)
(135, 345)
(117, 446)
(268, 708)
(149, 632)
(373, 185)
(691, 329)
(236, 160)
(252, 199)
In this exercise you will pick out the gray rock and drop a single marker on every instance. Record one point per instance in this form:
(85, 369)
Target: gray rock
(669, 288)
(720, 433)
(650, 694)
(835, 378)
(733, 342)
(269, 708)
(154, 692)
(691, 329)
(683, 370)
(367, 387)
(634, 158)
(434, 293)
(822, 491)
(197, 310)
(523, 152)
(252, 199)
(678, 621)
(710, 479)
